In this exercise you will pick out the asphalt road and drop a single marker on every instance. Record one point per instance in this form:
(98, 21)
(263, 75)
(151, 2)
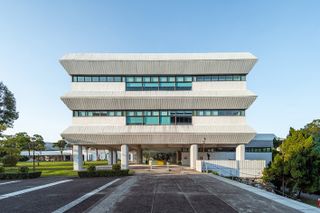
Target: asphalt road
(154, 193)
(53, 197)
(194, 193)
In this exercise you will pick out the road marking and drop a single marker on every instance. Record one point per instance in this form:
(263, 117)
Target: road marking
(32, 189)
(84, 197)
(14, 181)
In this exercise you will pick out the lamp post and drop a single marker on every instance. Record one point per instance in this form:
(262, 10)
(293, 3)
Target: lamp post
(33, 144)
(203, 143)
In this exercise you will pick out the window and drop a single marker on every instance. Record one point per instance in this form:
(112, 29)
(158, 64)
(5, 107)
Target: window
(159, 117)
(258, 149)
(221, 78)
(146, 79)
(156, 79)
(80, 79)
(82, 113)
(236, 77)
(103, 79)
(179, 79)
(153, 83)
(220, 112)
(183, 86)
(150, 86)
(87, 79)
(110, 78)
(135, 120)
(188, 78)
(207, 113)
(215, 78)
(117, 79)
(129, 79)
(229, 78)
(163, 79)
(95, 79)
(171, 79)
(138, 79)
(166, 86)
(151, 120)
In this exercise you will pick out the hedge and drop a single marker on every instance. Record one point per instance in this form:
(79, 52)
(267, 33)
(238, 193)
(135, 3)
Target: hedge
(103, 173)
(5, 176)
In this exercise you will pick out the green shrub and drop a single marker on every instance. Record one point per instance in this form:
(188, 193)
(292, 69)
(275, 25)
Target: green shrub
(131, 172)
(23, 158)
(1, 169)
(104, 173)
(91, 168)
(9, 161)
(6, 176)
(215, 173)
(116, 167)
(23, 169)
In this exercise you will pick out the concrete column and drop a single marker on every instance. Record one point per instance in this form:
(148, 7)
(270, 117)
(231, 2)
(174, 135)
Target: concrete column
(77, 157)
(110, 157)
(193, 155)
(124, 156)
(240, 152)
(114, 157)
(139, 155)
(86, 153)
(97, 154)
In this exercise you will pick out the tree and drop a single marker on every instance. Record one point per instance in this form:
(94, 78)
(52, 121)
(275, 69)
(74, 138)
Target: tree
(8, 112)
(24, 141)
(313, 129)
(9, 151)
(297, 165)
(9, 147)
(61, 145)
(37, 144)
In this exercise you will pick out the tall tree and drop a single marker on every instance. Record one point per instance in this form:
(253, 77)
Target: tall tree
(61, 145)
(37, 144)
(313, 129)
(24, 141)
(297, 165)
(8, 112)
(9, 146)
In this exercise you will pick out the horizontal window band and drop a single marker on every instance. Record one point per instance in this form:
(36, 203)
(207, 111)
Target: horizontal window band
(157, 79)
(157, 113)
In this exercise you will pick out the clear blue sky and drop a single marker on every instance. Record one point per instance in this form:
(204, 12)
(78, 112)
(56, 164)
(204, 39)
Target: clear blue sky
(284, 35)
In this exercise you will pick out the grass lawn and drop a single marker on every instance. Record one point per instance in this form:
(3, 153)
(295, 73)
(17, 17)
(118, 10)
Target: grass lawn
(57, 168)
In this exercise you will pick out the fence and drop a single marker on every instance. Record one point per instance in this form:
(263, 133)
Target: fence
(235, 168)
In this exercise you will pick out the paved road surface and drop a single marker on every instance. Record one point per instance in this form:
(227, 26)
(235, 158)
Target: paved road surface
(194, 193)
(154, 193)
(54, 197)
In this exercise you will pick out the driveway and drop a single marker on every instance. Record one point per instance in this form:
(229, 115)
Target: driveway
(194, 193)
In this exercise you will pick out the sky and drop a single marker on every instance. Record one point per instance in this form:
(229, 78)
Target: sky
(284, 35)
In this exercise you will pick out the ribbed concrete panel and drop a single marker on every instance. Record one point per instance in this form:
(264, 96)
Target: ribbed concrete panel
(158, 64)
(159, 134)
(164, 138)
(123, 103)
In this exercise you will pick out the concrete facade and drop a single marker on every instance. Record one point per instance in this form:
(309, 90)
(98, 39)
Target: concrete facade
(225, 90)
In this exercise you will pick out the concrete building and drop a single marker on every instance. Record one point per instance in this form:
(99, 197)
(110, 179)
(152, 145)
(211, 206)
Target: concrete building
(168, 103)
(259, 148)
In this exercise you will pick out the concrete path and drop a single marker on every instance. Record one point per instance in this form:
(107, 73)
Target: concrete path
(187, 193)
